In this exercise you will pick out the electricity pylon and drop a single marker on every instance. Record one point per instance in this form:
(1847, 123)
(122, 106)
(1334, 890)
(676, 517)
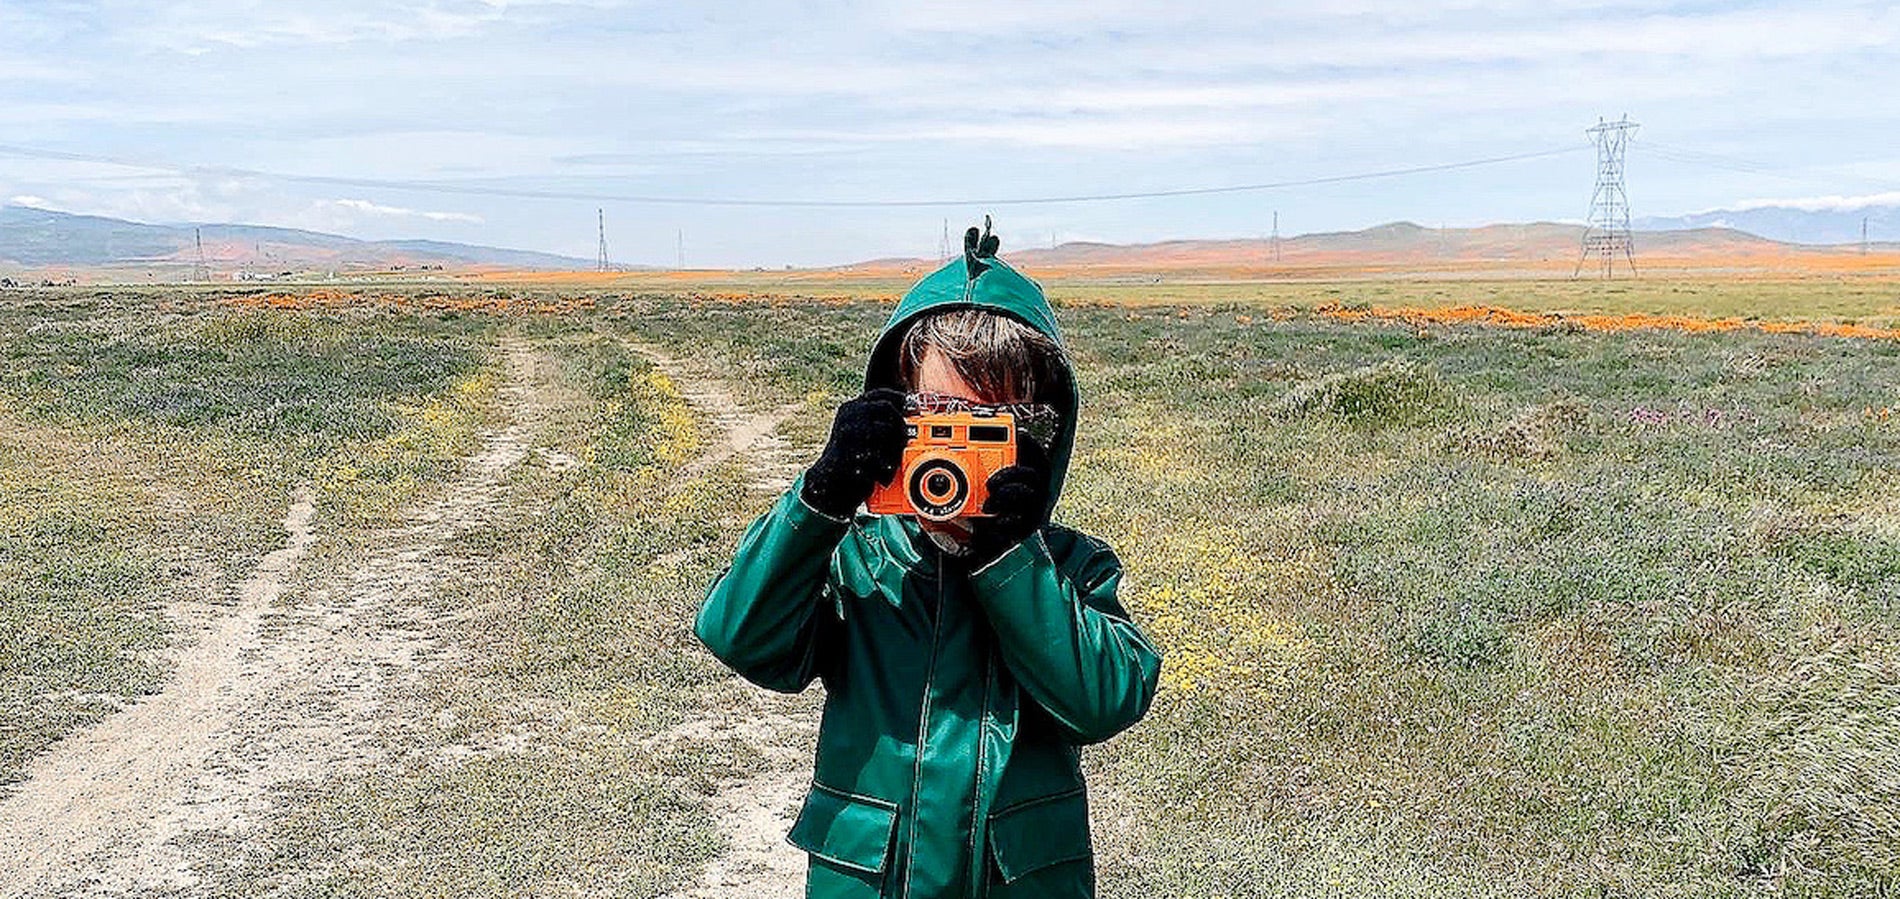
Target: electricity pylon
(1607, 234)
(601, 264)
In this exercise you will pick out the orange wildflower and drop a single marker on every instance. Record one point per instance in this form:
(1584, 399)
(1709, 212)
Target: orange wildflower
(1632, 321)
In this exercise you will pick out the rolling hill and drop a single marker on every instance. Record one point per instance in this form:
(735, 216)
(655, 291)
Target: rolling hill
(1404, 247)
(33, 238)
(1826, 221)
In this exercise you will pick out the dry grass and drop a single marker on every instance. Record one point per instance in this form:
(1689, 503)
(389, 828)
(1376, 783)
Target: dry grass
(1871, 299)
(1468, 610)
(145, 462)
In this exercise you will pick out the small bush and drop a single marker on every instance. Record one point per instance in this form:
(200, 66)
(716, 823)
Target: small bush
(1850, 560)
(1393, 392)
(1536, 433)
(1458, 634)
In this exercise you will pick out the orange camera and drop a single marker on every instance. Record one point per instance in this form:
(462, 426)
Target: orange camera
(948, 460)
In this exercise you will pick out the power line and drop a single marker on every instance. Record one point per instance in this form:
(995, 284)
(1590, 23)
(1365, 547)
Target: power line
(1751, 167)
(456, 189)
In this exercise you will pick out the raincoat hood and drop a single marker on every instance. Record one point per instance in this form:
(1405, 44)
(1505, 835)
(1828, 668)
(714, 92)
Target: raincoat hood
(997, 288)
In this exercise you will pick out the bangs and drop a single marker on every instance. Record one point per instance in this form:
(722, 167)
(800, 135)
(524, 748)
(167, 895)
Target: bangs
(1004, 360)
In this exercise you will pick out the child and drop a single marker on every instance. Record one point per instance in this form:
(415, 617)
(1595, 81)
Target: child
(963, 662)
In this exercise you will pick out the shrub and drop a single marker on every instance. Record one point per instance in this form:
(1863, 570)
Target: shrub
(1392, 392)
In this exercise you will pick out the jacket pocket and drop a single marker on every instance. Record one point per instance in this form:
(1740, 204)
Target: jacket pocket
(846, 829)
(1041, 832)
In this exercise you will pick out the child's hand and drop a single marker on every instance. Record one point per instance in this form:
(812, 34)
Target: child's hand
(1018, 503)
(866, 445)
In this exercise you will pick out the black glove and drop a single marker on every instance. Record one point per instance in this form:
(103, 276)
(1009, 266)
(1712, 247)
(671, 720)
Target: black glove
(1018, 503)
(866, 445)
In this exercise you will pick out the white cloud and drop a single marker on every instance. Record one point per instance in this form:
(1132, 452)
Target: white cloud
(186, 202)
(1065, 17)
(1220, 96)
(236, 200)
(19, 70)
(211, 26)
(1123, 132)
(108, 113)
(202, 28)
(365, 207)
(1814, 30)
(411, 154)
(1832, 203)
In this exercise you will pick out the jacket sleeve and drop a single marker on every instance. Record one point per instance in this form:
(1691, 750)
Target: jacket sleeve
(1067, 639)
(766, 616)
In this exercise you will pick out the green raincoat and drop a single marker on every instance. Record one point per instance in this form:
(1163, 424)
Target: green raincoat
(955, 699)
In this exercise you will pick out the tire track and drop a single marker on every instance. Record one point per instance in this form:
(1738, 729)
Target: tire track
(754, 812)
(741, 433)
(97, 789)
(282, 688)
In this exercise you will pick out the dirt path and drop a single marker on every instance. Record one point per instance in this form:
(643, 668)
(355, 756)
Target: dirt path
(740, 433)
(307, 676)
(754, 812)
(94, 792)
(279, 688)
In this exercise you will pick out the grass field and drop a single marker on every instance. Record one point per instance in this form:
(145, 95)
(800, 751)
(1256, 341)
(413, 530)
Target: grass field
(1447, 609)
(1871, 300)
(141, 452)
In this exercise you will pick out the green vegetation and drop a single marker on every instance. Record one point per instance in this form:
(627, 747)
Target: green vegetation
(144, 460)
(577, 822)
(1462, 612)
(1872, 300)
(1868, 301)
(1484, 610)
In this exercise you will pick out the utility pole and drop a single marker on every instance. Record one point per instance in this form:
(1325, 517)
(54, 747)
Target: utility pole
(1607, 233)
(601, 264)
(1276, 237)
(680, 247)
(201, 271)
(943, 246)
(1863, 235)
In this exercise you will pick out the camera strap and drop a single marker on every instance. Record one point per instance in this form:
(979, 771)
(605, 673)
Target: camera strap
(1039, 420)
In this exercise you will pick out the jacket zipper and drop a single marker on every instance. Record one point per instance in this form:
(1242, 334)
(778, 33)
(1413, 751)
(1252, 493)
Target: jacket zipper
(923, 726)
(980, 866)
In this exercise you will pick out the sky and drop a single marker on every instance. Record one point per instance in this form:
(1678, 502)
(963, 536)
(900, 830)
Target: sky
(456, 120)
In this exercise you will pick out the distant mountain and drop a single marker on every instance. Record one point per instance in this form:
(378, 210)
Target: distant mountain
(1830, 224)
(41, 238)
(1396, 247)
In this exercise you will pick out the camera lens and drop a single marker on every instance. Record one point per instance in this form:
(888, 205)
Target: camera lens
(938, 489)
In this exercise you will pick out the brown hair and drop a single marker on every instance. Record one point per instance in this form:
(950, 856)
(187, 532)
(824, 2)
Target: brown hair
(1004, 359)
